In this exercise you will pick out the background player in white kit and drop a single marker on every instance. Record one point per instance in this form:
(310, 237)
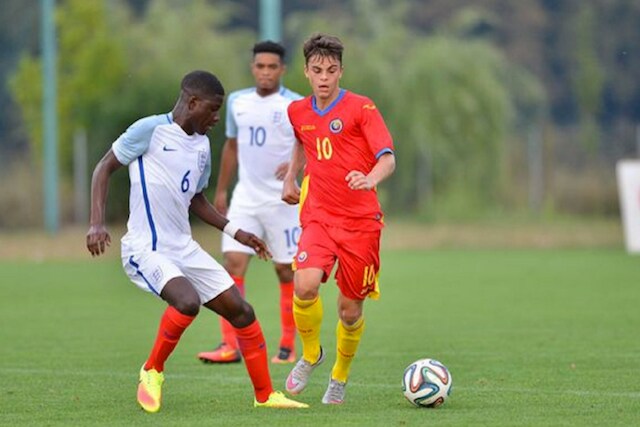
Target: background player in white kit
(259, 144)
(169, 166)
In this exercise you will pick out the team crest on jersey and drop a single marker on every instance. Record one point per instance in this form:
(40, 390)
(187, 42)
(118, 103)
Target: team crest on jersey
(302, 257)
(335, 126)
(277, 117)
(156, 275)
(202, 160)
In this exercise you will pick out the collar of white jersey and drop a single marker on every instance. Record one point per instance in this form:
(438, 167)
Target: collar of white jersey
(280, 92)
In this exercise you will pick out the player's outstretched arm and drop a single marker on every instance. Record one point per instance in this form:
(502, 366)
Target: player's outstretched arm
(290, 188)
(228, 167)
(204, 210)
(201, 207)
(382, 170)
(98, 237)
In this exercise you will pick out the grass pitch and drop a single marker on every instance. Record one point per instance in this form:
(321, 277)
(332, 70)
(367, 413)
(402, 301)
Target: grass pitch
(531, 338)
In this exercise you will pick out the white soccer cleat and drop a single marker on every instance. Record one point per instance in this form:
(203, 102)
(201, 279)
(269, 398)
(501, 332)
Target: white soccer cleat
(299, 375)
(335, 393)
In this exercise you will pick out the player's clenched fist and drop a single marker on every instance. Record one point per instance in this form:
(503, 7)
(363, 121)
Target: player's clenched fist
(359, 181)
(290, 192)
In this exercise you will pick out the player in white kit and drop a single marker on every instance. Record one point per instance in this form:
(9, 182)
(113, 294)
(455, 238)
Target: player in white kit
(169, 163)
(259, 145)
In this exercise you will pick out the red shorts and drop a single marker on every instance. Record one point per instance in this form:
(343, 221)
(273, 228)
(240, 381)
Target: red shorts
(357, 253)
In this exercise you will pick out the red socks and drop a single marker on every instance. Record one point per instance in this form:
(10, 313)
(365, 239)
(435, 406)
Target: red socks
(254, 353)
(172, 325)
(288, 338)
(228, 332)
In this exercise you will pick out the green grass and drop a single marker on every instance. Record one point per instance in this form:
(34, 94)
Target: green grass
(531, 338)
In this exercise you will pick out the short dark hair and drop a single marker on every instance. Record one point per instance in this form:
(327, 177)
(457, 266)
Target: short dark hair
(202, 83)
(269, 46)
(323, 45)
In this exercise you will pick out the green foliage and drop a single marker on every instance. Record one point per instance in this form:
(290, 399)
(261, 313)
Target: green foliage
(589, 76)
(90, 68)
(26, 88)
(116, 66)
(461, 115)
(113, 70)
(445, 99)
(449, 101)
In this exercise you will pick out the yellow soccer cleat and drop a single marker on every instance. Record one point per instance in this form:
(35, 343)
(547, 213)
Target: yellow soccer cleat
(150, 389)
(280, 401)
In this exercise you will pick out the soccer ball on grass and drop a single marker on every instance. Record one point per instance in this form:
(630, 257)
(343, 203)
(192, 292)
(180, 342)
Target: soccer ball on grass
(426, 383)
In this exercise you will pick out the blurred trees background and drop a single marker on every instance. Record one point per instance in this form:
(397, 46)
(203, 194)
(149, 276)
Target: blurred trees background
(497, 107)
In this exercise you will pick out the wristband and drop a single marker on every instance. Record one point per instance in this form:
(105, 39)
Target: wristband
(230, 229)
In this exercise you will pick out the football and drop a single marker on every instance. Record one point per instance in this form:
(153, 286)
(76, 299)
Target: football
(426, 383)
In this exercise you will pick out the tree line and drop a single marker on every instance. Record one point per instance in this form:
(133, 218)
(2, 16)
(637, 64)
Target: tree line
(461, 84)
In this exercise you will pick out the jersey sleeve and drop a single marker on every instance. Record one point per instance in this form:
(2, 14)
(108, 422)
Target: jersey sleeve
(289, 94)
(204, 178)
(230, 127)
(375, 130)
(290, 118)
(135, 140)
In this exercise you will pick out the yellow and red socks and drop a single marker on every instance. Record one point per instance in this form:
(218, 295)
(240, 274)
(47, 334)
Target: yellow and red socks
(228, 331)
(308, 318)
(347, 340)
(288, 324)
(172, 325)
(254, 352)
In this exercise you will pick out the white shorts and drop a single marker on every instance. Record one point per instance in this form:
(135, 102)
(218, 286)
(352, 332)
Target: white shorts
(151, 271)
(277, 225)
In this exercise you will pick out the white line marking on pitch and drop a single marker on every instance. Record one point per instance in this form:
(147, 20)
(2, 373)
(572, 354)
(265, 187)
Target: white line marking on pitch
(243, 378)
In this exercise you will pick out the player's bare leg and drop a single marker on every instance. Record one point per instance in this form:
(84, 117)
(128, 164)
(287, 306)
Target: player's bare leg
(236, 264)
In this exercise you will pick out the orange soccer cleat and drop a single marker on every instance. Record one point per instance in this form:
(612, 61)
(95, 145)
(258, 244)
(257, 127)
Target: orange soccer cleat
(224, 353)
(285, 355)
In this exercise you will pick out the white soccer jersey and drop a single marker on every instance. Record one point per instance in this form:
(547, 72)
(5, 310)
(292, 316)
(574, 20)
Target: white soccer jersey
(167, 168)
(265, 140)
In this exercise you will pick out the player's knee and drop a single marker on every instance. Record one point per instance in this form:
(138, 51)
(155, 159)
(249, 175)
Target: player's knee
(243, 316)
(349, 316)
(306, 293)
(284, 272)
(188, 307)
(306, 289)
(307, 283)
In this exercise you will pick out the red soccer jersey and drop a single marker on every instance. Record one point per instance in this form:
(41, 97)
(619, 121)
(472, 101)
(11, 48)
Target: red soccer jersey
(348, 135)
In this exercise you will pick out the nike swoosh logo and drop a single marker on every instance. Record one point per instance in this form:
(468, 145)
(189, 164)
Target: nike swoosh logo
(165, 148)
(229, 353)
(291, 383)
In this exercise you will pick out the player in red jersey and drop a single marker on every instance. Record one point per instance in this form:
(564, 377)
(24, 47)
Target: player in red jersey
(348, 151)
